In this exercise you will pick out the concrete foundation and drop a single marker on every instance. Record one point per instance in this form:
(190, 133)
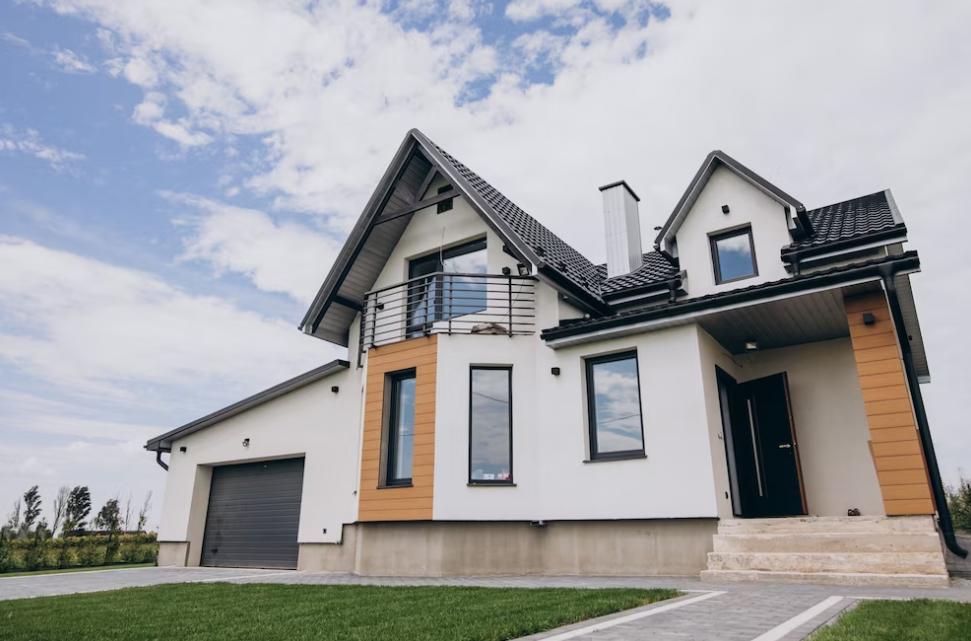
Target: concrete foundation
(173, 553)
(677, 547)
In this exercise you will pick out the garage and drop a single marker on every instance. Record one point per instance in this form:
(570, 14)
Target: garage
(254, 515)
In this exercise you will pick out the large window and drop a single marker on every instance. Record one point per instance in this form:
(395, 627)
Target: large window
(438, 298)
(614, 405)
(401, 428)
(490, 425)
(733, 255)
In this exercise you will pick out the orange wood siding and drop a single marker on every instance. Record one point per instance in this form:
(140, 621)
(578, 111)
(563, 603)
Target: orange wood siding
(399, 503)
(894, 442)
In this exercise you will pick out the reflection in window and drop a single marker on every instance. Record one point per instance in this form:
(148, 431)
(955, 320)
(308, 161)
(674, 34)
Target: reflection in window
(734, 256)
(401, 429)
(490, 425)
(442, 297)
(614, 402)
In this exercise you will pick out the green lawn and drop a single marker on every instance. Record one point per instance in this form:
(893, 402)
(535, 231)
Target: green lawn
(918, 620)
(90, 569)
(266, 612)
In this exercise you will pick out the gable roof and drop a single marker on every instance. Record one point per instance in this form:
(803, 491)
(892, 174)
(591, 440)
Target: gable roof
(391, 207)
(713, 161)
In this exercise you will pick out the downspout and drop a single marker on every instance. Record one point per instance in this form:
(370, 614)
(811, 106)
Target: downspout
(158, 459)
(937, 485)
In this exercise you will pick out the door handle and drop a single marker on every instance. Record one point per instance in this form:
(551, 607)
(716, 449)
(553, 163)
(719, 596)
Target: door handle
(785, 446)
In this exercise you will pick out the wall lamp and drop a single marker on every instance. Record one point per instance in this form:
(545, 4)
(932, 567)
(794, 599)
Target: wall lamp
(555, 371)
(751, 346)
(335, 389)
(869, 319)
(182, 449)
(725, 209)
(523, 270)
(506, 271)
(245, 442)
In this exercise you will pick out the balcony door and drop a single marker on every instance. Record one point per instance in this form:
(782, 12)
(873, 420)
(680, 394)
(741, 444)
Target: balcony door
(760, 443)
(443, 285)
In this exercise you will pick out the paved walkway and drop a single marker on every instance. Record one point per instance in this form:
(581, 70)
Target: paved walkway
(709, 611)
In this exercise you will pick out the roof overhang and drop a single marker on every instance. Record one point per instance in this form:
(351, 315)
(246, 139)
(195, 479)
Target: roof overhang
(164, 442)
(714, 160)
(384, 219)
(694, 310)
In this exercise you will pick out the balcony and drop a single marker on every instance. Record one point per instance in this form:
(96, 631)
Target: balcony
(444, 303)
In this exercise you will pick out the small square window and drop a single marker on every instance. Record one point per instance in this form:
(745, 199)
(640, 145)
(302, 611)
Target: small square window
(445, 205)
(733, 256)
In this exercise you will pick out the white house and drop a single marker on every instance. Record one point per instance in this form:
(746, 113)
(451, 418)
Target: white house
(718, 405)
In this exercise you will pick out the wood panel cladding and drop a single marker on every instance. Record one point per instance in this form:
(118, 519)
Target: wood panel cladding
(399, 503)
(894, 442)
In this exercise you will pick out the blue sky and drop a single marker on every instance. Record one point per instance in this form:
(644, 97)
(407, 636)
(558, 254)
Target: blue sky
(176, 177)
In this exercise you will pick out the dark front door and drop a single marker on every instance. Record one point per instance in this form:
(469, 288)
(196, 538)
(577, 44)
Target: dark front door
(760, 441)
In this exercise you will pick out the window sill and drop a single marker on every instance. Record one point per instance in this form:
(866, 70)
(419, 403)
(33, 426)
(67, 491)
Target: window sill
(474, 484)
(623, 457)
(394, 487)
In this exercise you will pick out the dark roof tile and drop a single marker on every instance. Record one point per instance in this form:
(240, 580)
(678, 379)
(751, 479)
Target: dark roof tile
(656, 269)
(849, 219)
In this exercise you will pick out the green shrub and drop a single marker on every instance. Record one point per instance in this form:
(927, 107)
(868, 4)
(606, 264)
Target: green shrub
(6, 554)
(35, 553)
(959, 503)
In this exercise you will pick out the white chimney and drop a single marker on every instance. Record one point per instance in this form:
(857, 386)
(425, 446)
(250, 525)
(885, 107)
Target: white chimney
(623, 228)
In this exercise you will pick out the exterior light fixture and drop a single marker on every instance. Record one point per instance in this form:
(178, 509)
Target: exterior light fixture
(869, 319)
(335, 389)
(182, 449)
(751, 346)
(725, 209)
(555, 371)
(245, 442)
(506, 271)
(523, 270)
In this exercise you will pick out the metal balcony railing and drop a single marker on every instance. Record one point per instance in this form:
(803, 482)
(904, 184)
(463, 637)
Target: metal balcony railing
(443, 303)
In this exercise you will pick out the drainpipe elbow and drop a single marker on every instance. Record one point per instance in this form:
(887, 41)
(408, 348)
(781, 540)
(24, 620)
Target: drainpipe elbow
(161, 463)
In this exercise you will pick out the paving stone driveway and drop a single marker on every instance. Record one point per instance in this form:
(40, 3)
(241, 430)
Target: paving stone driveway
(744, 612)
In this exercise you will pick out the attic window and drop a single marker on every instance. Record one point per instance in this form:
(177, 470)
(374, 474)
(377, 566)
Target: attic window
(445, 205)
(733, 256)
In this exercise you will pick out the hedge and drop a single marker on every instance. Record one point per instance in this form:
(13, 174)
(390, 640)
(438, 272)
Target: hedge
(32, 553)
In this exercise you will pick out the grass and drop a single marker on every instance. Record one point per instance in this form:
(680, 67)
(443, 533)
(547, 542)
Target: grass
(917, 620)
(265, 612)
(121, 566)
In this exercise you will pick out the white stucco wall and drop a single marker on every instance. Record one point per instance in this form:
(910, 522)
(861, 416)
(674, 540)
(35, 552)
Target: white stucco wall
(312, 422)
(553, 481)
(748, 206)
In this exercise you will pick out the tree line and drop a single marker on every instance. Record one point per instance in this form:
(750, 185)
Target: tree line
(71, 511)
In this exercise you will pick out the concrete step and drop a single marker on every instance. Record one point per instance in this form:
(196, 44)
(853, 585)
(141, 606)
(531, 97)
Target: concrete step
(829, 542)
(828, 524)
(848, 562)
(831, 578)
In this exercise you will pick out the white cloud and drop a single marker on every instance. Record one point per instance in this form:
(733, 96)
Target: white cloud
(89, 327)
(278, 257)
(28, 141)
(70, 62)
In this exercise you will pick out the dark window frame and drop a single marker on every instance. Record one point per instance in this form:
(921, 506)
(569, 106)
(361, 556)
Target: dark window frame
(510, 480)
(392, 385)
(432, 288)
(716, 264)
(589, 364)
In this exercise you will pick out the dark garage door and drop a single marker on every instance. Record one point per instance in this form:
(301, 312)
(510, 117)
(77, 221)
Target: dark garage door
(254, 513)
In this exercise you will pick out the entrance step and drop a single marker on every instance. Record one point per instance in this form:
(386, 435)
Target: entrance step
(831, 578)
(829, 542)
(862, 562)
(876, 550)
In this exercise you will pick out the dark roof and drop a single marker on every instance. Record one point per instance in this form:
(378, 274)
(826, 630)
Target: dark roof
(795, 283)
(551, 249)
(851, 219)
(164, 442)
(656, 269)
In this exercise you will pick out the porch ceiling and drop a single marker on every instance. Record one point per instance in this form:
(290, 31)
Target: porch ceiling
(818, 316)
